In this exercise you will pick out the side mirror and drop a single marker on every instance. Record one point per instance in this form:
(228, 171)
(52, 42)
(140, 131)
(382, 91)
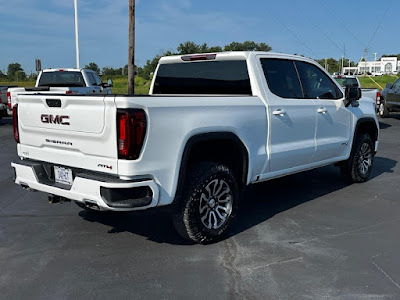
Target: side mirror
(110, 83)
(353, 94)
(389, 86)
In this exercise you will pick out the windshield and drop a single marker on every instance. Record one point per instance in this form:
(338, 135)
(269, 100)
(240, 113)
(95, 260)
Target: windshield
(62, 79)
(216, 77)
(347, 81)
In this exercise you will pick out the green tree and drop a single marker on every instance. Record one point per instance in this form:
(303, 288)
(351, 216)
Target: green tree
(93, 66)
(109, 71)
(3, 76)
(151, 65)
(15, 72)
(247, 46)
(190, 47)
(333, 65)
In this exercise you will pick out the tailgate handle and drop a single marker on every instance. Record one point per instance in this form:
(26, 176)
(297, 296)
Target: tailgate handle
(53, 102)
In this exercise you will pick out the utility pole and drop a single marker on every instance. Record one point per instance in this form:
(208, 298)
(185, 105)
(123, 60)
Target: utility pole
(365, 60)
(77, 34)
(131, 56)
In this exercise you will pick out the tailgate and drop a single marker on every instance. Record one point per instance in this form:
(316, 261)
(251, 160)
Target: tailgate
(75, 131)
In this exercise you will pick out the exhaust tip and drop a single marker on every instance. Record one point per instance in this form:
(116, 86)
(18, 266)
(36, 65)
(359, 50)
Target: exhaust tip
(92, 205)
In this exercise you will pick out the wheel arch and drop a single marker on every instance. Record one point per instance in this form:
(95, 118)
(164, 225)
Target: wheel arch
(367, 125)
(197, 149)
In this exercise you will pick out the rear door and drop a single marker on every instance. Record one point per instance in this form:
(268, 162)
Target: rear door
(76, 131)
(333, 118)
(292, 118)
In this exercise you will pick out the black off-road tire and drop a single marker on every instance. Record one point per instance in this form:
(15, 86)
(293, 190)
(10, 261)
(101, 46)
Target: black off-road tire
(187, 217)
(352, 170)
(383, 111)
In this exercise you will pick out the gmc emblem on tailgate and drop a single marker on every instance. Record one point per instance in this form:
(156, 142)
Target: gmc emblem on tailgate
(50, 119)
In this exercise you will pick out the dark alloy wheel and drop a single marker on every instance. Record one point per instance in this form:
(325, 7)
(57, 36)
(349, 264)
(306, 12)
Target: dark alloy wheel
(208, 204)
(359, 166)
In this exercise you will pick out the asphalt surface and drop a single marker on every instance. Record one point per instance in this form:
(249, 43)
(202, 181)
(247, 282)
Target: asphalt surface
(306, 236)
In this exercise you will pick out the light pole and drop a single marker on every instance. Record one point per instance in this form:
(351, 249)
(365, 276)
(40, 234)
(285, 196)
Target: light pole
(76, 34)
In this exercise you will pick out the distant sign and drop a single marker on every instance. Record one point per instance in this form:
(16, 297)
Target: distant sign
(38, 64)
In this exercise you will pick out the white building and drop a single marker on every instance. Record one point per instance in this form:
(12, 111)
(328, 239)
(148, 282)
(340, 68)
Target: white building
(385, 65)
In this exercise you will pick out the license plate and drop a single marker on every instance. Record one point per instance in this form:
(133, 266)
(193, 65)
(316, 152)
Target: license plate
(63, 175)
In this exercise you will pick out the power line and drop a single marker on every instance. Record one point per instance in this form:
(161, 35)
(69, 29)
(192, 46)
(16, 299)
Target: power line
(293, 33)
(343, 23)
(379, 24)
(323, 33)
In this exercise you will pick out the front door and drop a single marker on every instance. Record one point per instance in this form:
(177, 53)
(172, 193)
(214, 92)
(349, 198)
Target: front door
(333, 118)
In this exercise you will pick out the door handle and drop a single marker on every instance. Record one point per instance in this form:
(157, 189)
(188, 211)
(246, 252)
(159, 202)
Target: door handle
(279, 112)
(322, 110)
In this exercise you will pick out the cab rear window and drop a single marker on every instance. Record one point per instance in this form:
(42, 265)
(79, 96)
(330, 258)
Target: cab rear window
(62, 79)
(347, 81)
(212, 77)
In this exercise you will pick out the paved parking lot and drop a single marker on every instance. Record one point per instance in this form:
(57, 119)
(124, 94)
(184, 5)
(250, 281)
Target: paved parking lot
(307, 236)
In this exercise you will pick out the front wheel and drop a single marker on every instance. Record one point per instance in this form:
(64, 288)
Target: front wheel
(209, 203)
(359, 166)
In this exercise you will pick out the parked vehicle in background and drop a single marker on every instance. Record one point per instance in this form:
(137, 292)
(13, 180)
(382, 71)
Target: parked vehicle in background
(353, 81)
(390, 99)
(377, 73)
(63, 81)
(3, 100)
(212, 125)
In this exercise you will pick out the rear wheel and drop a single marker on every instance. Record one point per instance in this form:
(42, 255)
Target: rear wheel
(209, 203)
(359, 166)
(383, 111)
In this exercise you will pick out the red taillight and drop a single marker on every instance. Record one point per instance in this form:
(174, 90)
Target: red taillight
(9, 99)
(378, 97)
(131, 126)
(68, 92)
(15, 123)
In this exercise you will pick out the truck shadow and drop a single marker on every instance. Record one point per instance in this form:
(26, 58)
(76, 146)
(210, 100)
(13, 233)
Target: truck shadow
(6, 121)
(261, 202)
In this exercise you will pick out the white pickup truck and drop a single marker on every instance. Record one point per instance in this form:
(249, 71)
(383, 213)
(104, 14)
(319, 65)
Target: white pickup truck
(212, 125)
(63, 81)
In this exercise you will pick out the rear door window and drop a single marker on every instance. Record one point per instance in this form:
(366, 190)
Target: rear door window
(282, 78)
(211, 77)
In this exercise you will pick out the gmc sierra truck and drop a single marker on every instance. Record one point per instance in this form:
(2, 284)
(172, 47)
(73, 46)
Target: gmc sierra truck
(63, 81)
(212, 125)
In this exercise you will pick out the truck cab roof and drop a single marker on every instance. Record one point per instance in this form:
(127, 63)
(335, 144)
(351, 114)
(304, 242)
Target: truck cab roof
(221, 56)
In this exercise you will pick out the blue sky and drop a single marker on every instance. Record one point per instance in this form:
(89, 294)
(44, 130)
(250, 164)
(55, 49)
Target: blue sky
(44, 29)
